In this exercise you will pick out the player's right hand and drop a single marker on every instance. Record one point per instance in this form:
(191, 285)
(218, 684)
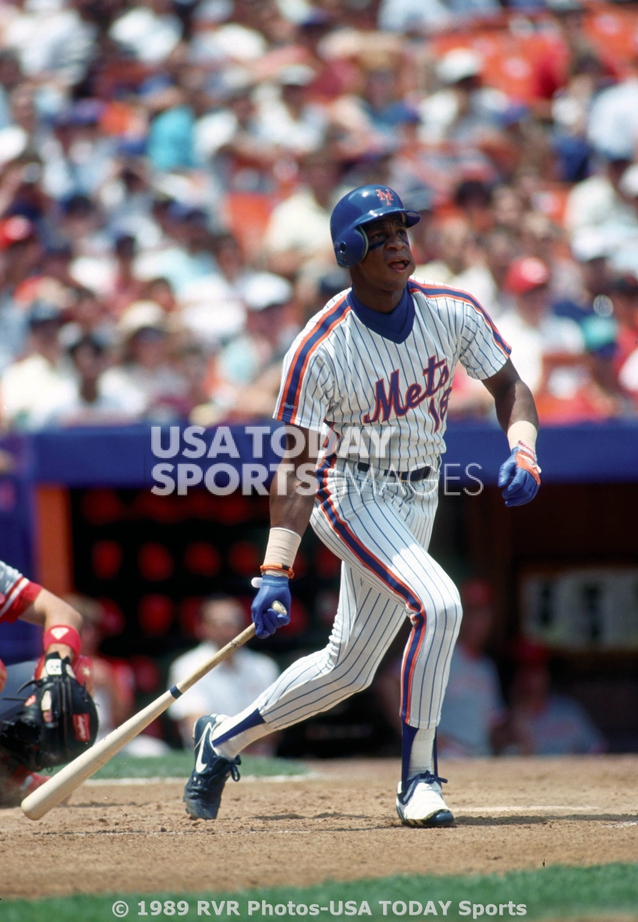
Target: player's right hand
(271, 589)
(520, 475)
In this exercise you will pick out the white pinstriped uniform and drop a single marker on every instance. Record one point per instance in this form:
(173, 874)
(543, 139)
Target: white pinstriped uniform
(338, 375)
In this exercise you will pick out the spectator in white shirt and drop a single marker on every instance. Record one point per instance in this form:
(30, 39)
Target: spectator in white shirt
(233, 684)
(598, 202)
(85, 400)
(287, 119)
(27, 383)
(147, 376)
(298, 232)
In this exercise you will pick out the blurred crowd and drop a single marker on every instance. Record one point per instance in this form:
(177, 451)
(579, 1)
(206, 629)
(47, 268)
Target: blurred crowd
(167, 173)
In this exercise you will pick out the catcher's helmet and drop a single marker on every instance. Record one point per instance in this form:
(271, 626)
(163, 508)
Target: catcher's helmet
(359, 207)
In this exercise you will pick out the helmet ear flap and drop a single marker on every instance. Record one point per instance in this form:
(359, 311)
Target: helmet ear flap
(352, 249)
(364, 238)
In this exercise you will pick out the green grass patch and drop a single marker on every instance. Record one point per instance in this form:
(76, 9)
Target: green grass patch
(179, 764)
(549, 893)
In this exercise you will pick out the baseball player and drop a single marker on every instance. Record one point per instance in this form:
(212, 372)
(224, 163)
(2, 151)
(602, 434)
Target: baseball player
(373, 370)
(46, 715)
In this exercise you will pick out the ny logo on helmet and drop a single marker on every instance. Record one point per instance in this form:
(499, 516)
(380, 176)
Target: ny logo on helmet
(386, 196)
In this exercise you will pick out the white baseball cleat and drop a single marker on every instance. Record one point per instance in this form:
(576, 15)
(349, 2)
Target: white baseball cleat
(422, 803)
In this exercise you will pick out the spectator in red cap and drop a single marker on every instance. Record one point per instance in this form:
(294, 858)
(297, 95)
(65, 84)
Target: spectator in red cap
(561, 358)
(526, 274)
(19, 253)
(548, 349)
(16, 229)
(20, 250)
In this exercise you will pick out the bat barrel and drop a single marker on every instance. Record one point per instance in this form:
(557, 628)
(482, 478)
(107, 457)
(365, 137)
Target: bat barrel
(72, 775)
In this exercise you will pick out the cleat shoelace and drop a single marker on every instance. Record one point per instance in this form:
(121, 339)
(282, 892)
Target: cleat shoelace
(427, 777)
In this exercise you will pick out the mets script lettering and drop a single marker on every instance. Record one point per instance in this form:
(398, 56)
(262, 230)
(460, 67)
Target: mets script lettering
(388, 401)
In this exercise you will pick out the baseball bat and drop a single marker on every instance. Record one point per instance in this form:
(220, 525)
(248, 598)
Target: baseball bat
(72, 775)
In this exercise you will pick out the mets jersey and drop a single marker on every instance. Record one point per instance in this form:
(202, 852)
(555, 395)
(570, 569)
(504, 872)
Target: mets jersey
(16, 593)
(384, 392)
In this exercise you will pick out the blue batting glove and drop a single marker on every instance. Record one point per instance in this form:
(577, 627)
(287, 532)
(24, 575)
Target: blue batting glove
(520, 475)
(271, 589)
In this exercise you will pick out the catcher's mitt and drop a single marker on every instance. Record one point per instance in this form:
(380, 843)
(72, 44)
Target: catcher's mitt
(57, 722)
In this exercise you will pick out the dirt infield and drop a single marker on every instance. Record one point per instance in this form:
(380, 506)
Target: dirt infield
(339, 824)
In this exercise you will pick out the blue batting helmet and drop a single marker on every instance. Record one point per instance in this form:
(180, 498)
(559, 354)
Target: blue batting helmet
(359, 207)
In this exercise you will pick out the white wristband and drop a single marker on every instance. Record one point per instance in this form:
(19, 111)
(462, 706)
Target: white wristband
(282, 547)
(522, 431)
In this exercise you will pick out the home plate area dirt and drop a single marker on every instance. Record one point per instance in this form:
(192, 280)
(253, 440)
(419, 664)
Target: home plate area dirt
(339, 824)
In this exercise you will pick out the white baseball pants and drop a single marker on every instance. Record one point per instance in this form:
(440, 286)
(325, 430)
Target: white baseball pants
(381, 529)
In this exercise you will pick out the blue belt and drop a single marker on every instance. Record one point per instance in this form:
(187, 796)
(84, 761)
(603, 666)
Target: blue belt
(421, 473)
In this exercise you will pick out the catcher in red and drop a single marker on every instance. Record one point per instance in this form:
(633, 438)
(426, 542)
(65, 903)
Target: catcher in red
(47, 714)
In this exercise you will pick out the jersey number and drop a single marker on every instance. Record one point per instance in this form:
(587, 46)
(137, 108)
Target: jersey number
(438, 413)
